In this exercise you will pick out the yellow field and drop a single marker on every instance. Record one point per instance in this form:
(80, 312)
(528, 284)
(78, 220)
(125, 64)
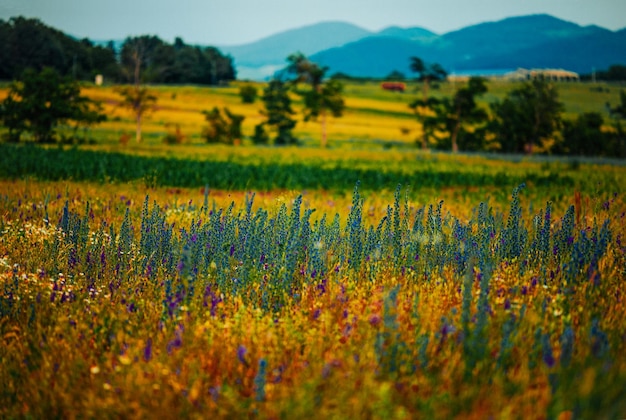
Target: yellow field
(372, 117)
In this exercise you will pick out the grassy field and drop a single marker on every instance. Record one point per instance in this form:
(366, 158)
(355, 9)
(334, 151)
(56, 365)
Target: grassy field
(374, 118)
(358, 281)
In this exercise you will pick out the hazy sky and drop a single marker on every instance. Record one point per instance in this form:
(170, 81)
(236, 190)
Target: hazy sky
(230, 22)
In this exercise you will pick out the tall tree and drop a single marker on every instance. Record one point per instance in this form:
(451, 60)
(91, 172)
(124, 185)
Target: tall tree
(456, 117)
(140, 101)
(426, 73)
(527, 117)
(278, 114)
(41, 101)
(321, 97)
(138, 64)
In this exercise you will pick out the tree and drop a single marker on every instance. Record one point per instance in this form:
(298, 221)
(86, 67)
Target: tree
(618, 136)
(28, 43)
(222, 129)
(457, 117)
(527, 117)
(140, 101)
(278, 114)
(41, 101)
(138, 59)
(321, 98)
(395, 75)
(584, 136)
(426, 74)
(619, 111)
(248, 93)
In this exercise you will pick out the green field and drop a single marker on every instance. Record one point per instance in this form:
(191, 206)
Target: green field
(369, 279)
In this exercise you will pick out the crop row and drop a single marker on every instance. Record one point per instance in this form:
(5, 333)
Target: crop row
(80, 165)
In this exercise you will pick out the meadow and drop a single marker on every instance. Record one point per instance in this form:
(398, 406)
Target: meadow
(360, 281)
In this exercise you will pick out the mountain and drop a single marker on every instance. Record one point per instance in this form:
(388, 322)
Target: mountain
(526, 41)
(272, 51)
(599, 49)
(412, 34)
(374, 56)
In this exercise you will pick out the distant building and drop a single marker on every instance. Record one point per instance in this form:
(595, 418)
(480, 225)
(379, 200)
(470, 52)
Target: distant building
(550, 74)
(393, 86)
(519, 74)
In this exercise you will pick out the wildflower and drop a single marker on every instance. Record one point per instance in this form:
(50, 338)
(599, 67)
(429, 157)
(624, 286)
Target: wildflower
(548, 357)
(147, 351)
(241, 354)
(317, 313)
(374, 320)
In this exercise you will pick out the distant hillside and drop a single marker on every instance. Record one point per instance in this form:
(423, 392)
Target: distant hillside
(597, 50)
(310, 39)
(412, 34)
(374, 56)
(527, 41)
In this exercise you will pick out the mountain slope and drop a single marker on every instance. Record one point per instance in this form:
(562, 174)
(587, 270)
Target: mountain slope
(412, 34)
(308, 40)
(526, 41)
(374, 56)
(581, 54)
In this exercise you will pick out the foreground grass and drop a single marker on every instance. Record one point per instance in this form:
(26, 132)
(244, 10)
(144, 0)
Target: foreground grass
(186, 305)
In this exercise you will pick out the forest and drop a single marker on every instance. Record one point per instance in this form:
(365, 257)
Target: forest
(29, 43)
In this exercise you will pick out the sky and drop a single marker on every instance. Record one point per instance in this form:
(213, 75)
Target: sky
(234, 22)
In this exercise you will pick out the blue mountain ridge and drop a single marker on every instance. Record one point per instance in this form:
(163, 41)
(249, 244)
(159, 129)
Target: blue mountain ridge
(524, 41)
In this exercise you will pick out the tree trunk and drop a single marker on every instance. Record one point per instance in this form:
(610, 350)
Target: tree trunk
(323, 123)
(138, 130)
(454, 136)
(425, 91)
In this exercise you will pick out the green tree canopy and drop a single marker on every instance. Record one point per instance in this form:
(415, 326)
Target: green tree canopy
(28, 43)
(41, 101)
(321, 97)
(583, 136)
(426, 73)
(159, 62)
(456, 118)
(278, 114)
(224, 129)
(140, 101)
(527, 117)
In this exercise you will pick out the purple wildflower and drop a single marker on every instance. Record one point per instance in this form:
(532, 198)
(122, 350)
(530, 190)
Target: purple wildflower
(147, 351)
(374, 320)
(317, 313)
(241, 354)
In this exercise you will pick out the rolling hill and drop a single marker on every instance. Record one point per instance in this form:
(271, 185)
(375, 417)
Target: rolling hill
(524, 41)
(267, 55)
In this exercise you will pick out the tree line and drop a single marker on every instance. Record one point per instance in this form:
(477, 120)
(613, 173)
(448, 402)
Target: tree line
(528, 120)
(28, 43)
